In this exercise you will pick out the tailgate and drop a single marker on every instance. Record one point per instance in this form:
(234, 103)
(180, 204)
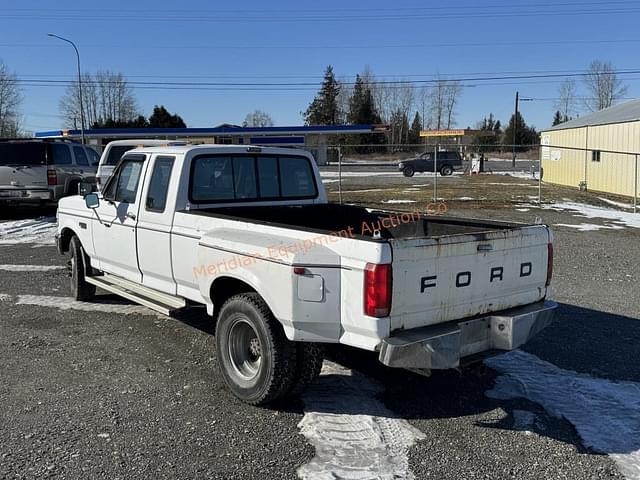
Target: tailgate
(23, 176)
(436, 280)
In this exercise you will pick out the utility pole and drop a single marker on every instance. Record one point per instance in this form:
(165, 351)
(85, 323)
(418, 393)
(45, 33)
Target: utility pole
(79, 82)
(515, 127)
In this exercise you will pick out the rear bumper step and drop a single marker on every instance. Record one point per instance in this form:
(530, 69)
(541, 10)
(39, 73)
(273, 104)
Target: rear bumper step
(441, 347)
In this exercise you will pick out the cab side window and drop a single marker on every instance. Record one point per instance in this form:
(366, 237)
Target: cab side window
(81, 156)
(159, 184)
(123, 187)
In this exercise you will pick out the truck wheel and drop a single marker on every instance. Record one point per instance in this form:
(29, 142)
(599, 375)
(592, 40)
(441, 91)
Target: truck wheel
(308, 366)
(446, 171)
(408, 171)
(80, 289)
(256, 360)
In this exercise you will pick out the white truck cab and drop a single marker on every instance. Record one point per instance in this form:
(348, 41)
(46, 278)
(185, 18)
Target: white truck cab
(248, 232)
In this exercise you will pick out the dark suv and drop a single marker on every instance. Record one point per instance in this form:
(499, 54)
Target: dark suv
(446, 163)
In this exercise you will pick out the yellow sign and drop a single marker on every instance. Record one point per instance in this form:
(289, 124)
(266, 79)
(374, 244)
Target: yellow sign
(442, 133)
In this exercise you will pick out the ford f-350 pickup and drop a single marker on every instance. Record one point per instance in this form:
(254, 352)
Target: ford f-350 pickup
(248, 232)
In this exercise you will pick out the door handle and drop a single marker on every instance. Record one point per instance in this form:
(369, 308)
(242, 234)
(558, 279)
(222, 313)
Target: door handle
(130, 215)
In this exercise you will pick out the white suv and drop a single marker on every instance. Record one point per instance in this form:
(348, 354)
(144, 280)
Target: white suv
(114, 151)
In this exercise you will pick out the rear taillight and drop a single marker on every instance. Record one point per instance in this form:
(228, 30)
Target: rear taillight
(377, 290)
(549, 263)
(52, 177)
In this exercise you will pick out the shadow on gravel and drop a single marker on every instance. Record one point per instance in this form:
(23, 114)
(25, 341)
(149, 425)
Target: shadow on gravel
(599, 344)
(596, 343)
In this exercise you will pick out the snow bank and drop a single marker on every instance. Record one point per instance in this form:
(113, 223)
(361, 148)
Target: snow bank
(42, 230)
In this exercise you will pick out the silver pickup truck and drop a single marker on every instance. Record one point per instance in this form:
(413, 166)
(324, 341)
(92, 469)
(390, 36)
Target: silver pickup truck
(248, 232)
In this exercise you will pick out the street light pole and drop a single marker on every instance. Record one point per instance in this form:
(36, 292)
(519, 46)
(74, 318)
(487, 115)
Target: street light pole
(79, 82)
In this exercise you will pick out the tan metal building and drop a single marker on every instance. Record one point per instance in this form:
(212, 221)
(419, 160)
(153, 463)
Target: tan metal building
(597, 152)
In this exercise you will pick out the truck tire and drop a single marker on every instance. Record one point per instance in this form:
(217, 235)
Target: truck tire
(80, 289)
(408, 171)
(257, 361)
(308, 366)
(446, 170)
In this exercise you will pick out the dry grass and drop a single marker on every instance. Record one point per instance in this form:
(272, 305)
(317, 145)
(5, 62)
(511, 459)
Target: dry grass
(459, 192)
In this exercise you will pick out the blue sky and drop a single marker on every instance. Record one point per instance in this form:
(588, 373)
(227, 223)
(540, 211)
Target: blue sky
(290, 42)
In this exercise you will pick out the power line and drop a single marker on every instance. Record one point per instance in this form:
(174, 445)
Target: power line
(440, 75)
(329, 47)
(220, 17)
(400, 83)
(304, 11)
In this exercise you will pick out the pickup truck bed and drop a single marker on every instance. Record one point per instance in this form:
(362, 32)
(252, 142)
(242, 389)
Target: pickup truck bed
(357, 221)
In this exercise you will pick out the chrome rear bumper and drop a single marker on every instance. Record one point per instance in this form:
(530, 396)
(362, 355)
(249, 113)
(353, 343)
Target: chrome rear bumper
(440, 347)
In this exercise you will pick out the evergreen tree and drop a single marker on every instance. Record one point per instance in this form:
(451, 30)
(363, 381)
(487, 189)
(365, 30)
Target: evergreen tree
(525, 135)
(139, 122)
(489, 136)
(559, 118)
(161, 118)
(416, 128)
(323, 110)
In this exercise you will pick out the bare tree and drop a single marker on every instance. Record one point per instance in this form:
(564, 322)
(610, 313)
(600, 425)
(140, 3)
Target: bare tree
(106, 96)
(10, 101)
(443, 99)
(258, 118)
(603, 85)
(566, 102)
(438, 103)
(452, 95)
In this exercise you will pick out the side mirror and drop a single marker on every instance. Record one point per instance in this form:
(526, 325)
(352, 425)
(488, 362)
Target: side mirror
(92, 200)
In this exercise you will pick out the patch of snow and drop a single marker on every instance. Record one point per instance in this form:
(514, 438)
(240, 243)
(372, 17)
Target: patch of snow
(354, 434)
(604, 413)
(399, 201)
(67, 303)
(589, 227)
(30, 268)
(616, 204)
(521, 174)
(40, 230)
(523, 209)
(359, 174)
(621, 218)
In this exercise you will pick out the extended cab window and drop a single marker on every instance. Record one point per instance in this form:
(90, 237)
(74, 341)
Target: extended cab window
(220, 178)
(159, 184)
(123, 186)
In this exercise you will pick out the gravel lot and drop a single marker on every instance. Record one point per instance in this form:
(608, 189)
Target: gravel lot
(115, 391)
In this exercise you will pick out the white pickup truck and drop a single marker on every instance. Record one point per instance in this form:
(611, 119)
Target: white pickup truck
(248, 232)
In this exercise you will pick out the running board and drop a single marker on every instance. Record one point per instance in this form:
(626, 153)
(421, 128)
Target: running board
(158, 301)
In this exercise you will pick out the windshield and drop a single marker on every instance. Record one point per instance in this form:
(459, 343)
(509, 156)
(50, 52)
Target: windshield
(116, 153)
(19, 154)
